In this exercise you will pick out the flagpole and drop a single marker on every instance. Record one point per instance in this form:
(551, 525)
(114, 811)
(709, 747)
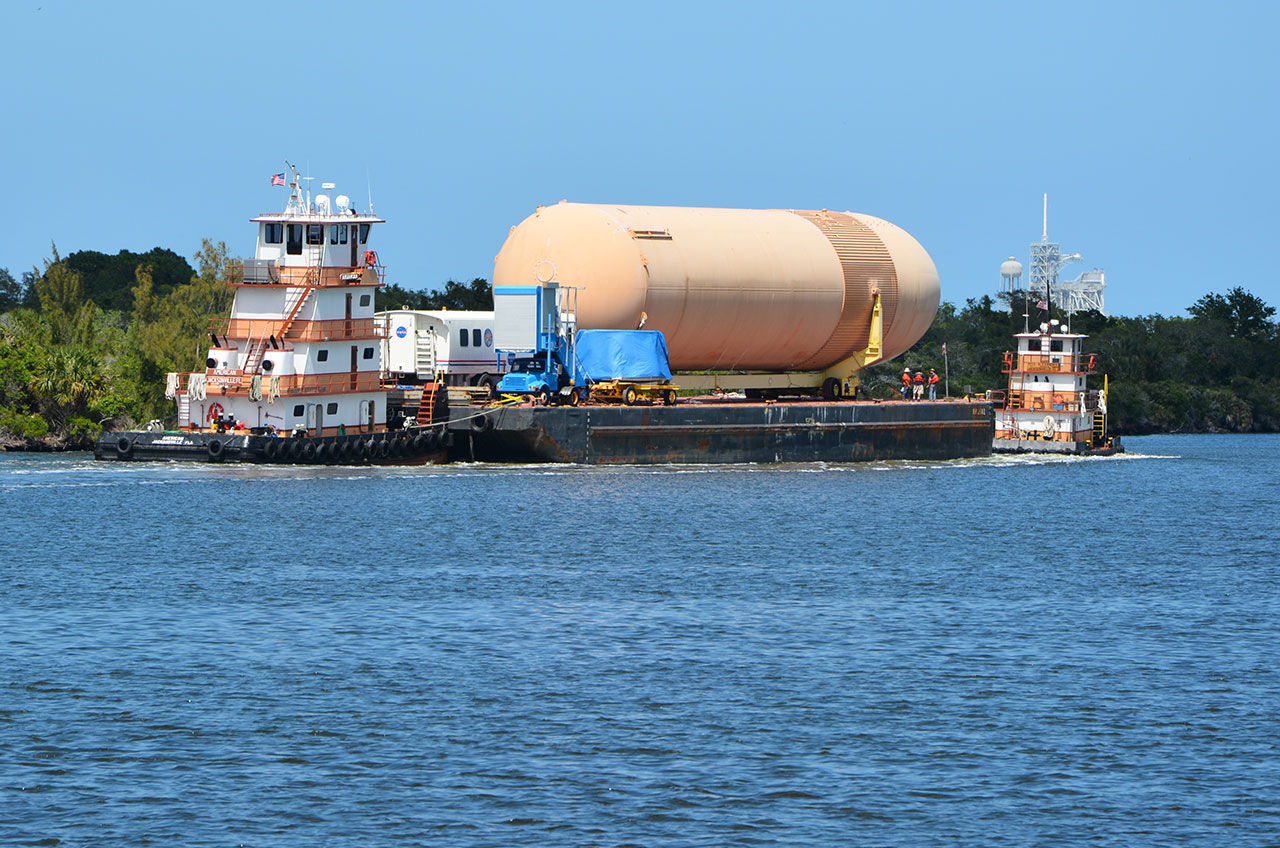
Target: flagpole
(946, 371)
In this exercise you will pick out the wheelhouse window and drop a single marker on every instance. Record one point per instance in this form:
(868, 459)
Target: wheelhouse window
(1056, 345)
(272, 233)
(463, 338)
(338, 234)
(294, 246)
(322, 355)
(368, 353)
(364, 233)
(315, 233)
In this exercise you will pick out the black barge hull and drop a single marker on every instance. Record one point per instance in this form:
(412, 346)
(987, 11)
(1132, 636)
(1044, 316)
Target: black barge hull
(724, 432)
(404, 447)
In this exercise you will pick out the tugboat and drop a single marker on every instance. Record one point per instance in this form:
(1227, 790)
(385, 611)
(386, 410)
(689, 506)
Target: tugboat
(1048, 407)
(294, 374)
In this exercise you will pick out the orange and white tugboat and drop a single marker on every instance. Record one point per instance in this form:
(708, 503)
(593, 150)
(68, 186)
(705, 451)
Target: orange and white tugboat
(294, 375)
(1048, 407)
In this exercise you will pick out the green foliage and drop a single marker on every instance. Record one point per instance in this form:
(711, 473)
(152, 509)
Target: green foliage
(108, 279)
(70, 315)
(476, 295)
(10, 291)
(1244, 315)
(23, 425)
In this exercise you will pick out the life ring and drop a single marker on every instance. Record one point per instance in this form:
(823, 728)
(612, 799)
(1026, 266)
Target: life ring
(370, 259)
(124, 447)
(215, 412)
(1058, 399)
(1008, 360)
(1092, 363)
(216, 448)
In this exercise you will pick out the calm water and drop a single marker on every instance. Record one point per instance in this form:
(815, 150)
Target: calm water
(997, 652)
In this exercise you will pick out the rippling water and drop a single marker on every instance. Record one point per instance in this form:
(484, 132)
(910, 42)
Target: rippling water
(1005, 651)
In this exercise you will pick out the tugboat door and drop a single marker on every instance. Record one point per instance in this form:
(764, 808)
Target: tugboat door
(346, 327)
(354, 360)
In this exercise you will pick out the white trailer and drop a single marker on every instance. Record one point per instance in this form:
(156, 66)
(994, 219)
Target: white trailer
(452, 347)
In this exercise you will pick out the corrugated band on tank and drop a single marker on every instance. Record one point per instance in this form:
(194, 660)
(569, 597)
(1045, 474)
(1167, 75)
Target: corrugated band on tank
(865, 263)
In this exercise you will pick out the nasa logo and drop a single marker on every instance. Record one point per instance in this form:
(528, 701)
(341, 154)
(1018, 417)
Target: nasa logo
(488, 338)
(400, 332)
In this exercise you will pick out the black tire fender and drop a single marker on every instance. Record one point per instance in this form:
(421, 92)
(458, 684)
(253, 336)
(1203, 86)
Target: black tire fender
(216, 449)
(124, 447)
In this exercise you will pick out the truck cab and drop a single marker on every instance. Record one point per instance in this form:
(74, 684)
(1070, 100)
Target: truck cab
(541, 375)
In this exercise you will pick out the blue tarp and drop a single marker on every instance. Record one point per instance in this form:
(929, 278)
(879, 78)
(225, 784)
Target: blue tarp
(623, 355)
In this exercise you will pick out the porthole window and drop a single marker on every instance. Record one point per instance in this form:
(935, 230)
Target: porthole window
(368, 353)
(211, 363)
(298, 411)
(322, 355)
(331, 409)
(364, 300)
(267, 365)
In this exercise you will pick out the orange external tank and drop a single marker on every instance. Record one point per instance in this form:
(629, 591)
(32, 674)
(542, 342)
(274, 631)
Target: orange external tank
(732, 289)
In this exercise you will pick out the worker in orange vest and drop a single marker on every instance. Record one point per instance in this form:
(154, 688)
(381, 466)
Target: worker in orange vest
(934, 380)
(918, 392)
(906, 383)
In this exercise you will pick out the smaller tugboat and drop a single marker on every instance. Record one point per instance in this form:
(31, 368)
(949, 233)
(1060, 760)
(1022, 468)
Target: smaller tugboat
(1048, 407)
(294, 375)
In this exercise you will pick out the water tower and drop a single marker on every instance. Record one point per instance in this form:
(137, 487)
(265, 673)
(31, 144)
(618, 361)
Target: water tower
(1011, 277)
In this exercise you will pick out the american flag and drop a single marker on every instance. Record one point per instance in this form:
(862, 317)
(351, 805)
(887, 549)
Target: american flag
(277, 179)
(944, 348)
(1042, 304)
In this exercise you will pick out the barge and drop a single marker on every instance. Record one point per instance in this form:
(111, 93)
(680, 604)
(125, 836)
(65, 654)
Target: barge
(724, 432)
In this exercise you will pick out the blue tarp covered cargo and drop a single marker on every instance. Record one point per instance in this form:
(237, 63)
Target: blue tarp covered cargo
(623, 355)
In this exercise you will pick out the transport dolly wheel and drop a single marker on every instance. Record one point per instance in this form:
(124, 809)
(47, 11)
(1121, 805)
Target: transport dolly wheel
(669, 397)
(572, 398)
(629, 396)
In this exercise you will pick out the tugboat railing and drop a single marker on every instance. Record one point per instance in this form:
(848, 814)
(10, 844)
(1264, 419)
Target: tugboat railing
(1051, 363)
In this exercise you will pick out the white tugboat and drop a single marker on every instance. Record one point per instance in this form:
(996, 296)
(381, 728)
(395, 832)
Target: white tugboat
(294, 374)
(1048, 407)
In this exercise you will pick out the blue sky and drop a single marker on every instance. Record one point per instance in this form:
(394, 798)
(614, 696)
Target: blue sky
(1152, 126)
